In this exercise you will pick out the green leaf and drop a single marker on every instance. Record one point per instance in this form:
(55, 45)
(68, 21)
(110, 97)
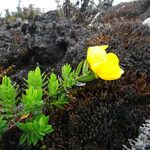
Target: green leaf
(8, 94)
(3, 125)
(38, 135)
(23, 138)
(35, 78)
(68, 76)
(26, 127)
(53, 85)
(79, 67)
(32, 101)
(48, 129)
(43, 120)
(34, 130)
(66, 70)
(61, 101)
(29, 141)
(86, 78)
(34, 139)
(85, 69)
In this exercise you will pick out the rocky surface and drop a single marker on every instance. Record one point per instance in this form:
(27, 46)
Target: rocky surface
(10, 45)
(142, 142)
(51, 41)
(44, 41)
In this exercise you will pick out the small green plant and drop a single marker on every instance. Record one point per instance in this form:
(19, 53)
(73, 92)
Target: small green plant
(53, 86)
(8, 94)
(3, 126)
(39, 94)
(32, 101)
(86, 75)
(58, 88)
(35, 78)
(74, 77)
(60, 101)
(35, 130)
(57, 96)
(68, 76)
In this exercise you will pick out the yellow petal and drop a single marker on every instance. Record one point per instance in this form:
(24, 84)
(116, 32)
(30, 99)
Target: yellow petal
(104, 65)
(104, 47)
(114, 75)
(112, 58)
(96, 54)
(107, 71)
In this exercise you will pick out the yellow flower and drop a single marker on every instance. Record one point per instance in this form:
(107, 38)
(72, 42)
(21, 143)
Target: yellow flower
(96, 54)
(106, 66)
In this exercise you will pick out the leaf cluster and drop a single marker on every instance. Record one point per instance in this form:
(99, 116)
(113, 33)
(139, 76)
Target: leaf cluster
(3, 126)
(25, 110)
(86, 75)
(35, 130)
(8, 94)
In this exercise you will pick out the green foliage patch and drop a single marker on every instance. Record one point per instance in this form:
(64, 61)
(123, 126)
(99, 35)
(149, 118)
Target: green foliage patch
(25, 110)
(35, 130)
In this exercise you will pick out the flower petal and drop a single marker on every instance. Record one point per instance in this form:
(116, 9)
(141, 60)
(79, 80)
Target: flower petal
(96, 54)
(106, 66)
(112, 58)
(107, 71)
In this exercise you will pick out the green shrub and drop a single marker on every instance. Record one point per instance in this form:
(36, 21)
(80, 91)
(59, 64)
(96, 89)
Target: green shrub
(25, 110)
(32, 101)
(8, 94)
(53, 85)
(35, 130)
(3, 126)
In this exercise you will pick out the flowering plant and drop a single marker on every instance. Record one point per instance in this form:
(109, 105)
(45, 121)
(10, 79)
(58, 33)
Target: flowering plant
(25, 109)
(104, 65)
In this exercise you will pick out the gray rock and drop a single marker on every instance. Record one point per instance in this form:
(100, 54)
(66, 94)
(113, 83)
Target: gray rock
(142, 142)
(146, 22)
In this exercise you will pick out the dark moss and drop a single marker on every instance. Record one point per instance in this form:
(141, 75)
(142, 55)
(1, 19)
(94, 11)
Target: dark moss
(129, 41)
(104, 114)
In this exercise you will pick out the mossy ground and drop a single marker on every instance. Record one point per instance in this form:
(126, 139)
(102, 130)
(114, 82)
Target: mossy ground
(102, 115)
